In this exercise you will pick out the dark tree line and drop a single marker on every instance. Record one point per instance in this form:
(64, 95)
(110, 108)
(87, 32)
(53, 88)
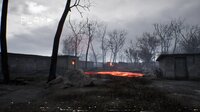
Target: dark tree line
(93, 31)
(169, 38)
(116, 42)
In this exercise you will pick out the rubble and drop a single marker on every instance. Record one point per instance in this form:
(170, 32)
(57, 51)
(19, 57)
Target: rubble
(72, 78)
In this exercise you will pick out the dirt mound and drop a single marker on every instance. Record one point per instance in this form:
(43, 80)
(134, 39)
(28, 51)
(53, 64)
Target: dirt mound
(72, 78)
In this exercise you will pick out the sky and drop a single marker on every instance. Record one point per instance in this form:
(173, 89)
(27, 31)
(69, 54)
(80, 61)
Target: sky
(32, 23)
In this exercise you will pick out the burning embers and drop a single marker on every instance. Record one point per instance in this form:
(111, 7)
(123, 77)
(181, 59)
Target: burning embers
(116, 73)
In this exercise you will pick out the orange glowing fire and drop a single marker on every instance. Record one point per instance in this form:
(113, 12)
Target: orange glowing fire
(73, 62)
(117, 73)
(110, 64)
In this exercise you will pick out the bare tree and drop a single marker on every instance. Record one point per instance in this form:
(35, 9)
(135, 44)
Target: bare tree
(4, 54)
(190, 42)
(69, 46)
(76, 4)
(164, 33)
(77, 32)
(94, 54)
(102, 30)
(90, 33)
(122, 57)
(132, 53)
(147, 46)
(128, 53)
(116, 42)
(177, 27)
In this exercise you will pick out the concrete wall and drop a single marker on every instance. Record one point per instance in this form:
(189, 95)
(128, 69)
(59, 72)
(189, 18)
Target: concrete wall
(193, 63)
(167, 65)
(31, 64)
(81, 65)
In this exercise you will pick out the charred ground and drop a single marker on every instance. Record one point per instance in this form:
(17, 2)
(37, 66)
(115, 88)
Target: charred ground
(108, 94)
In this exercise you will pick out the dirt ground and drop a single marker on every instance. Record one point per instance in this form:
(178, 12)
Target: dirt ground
(187, 92)
(106, 95)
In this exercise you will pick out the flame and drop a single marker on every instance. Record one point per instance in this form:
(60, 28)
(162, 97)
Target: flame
(116, 73)
(73, 62)
(110, 64)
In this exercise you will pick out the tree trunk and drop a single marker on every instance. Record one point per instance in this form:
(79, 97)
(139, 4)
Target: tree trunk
(175, 43)
(114, 57)
(52, 72)
(95, 55)
(86, 58)
(111, 55)
(4, 54)
(103, 52)
(88, 47)
(76, 46)
(103, 60)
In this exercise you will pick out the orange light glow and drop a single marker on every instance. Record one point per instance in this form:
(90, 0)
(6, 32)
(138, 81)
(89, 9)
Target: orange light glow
(110, 64)
(73, 62)
(117, 73)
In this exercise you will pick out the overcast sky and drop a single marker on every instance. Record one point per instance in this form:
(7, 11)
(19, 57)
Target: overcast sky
(32, 23)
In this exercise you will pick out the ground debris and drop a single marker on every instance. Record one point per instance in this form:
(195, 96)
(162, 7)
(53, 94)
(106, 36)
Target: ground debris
(72, 78)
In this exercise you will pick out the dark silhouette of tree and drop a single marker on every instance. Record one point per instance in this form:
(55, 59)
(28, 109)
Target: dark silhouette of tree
(190, 42)
(178, 37)
(164, 32)
(147, 46)
(177, 28)
(132, 53)
(69, 46)
(95, 56)
(90, 32)
(116, 42)
(77, 34)
(52, 72)
(102, 32)
(4, 54)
